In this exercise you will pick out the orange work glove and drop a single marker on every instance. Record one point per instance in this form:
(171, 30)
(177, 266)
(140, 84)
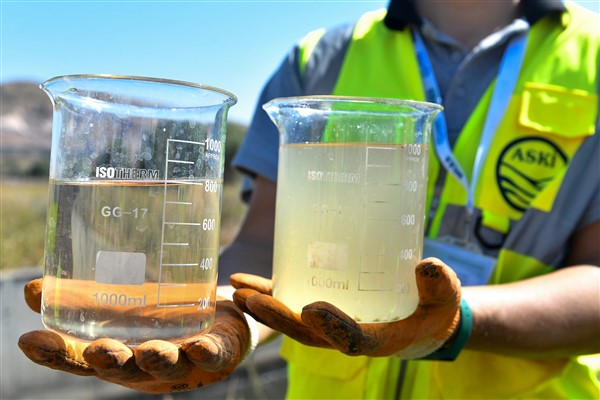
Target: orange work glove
(155, 366)
(323, 325)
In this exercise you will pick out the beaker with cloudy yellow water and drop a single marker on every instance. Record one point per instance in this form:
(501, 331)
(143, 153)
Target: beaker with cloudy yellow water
(350, 203)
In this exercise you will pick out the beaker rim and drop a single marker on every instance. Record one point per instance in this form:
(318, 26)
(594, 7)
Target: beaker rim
(296, 101)
(231, 98)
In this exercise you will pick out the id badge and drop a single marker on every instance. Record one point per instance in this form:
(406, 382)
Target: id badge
(471, 266)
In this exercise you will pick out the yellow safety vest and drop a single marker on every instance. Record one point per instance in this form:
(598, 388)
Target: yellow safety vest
(562, 107)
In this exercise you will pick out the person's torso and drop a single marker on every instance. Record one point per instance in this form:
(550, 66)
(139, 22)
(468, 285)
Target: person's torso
(524, 197)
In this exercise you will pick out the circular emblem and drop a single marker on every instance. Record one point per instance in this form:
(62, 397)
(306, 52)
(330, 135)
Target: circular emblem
(525, 167)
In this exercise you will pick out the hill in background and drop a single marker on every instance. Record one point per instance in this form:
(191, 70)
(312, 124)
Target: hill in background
(26, 132)
(25, 129)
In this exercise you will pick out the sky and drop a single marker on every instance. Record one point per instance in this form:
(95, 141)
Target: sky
(232, 45)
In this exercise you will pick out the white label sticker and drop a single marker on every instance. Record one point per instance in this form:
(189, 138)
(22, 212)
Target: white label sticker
(120, 268)
(325, 255)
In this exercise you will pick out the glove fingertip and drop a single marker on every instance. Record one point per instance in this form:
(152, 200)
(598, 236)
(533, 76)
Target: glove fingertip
(51, 350)
(205, 354)
(437, 282)
(114, 361)
(107, 353)
(36, 344)
(162, 360)
(33, 294)
(242, 280)
(241, 296)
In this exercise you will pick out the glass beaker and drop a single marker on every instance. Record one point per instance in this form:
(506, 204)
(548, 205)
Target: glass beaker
(132, 237)
(350, 207)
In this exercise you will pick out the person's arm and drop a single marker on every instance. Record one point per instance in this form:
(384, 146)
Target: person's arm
(551, 316)
(554, 316)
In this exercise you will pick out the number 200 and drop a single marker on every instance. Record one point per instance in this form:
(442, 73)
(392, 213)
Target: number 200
(203, 303)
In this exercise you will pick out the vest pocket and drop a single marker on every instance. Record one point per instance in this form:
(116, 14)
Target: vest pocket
(550, 109)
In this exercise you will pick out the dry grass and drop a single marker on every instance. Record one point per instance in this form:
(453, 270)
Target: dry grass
(23, 205)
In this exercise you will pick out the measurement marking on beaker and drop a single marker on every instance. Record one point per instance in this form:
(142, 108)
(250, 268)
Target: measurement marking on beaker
(180, 182)
(181, 265)
(373, 281)
(180, 161)
(377, 177)
(185, 141)
(175, 305)
(183, 223)
(174, 206)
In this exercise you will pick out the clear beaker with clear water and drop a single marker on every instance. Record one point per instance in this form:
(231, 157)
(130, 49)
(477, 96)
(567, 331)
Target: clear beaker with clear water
(132, 237)
(350, 203)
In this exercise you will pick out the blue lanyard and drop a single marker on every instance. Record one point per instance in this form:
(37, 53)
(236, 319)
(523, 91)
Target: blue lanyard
(505, 83)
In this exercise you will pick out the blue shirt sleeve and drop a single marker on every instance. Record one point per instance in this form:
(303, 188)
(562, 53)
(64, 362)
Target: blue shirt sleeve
(259, 152)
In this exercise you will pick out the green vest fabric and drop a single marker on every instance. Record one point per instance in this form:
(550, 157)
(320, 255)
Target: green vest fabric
(548, 118)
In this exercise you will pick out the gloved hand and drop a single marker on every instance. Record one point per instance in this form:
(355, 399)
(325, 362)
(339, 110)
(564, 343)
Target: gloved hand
(155, 366)
(323, 325)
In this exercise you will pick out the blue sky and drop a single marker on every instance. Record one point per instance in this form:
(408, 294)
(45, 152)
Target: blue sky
(234, 45)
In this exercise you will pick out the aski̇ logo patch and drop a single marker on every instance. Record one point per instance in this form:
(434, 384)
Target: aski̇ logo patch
(525, 167)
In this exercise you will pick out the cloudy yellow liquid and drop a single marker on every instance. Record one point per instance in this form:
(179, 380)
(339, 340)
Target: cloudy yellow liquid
(349, 227)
